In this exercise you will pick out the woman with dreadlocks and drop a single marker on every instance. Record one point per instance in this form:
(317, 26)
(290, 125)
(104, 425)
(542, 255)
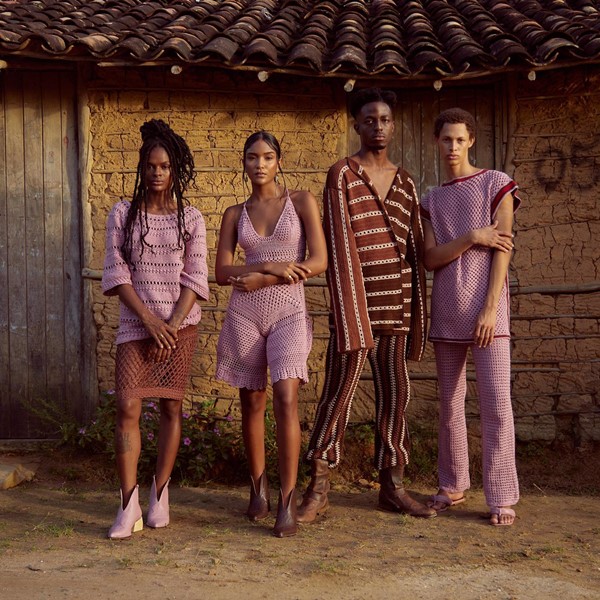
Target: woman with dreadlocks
(156, 263)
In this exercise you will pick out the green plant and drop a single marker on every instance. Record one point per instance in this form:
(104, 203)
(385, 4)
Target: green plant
(211, 444)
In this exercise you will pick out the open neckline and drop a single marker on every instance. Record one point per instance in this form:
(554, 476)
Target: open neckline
(464, 177)
(266, 237)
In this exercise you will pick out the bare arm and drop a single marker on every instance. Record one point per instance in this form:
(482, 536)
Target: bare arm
(485, 326)
(163, 333)
(308, 210)
(251, 277)
(492, 236)
(226, 272)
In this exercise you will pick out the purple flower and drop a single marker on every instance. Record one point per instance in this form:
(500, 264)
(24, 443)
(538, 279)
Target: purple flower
(152, 405)
(82, 431)
(216, 431)
(185, 415)
(150, 436)
(229, 418)
(110, 392)
(187, 441)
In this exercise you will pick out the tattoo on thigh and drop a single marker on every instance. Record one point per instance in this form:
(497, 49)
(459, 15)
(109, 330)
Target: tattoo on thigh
(123, 443)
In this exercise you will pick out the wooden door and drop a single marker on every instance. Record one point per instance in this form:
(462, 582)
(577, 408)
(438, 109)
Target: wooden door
(413, 147)
(40, 265)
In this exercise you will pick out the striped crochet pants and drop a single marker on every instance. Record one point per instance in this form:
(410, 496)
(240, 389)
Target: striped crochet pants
(492, 371)
(392, 393)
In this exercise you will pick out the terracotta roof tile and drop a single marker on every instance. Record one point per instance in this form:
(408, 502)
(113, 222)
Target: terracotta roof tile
(344, 37)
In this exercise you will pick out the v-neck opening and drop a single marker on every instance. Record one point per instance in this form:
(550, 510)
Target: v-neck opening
(370, 184)
(266, 237)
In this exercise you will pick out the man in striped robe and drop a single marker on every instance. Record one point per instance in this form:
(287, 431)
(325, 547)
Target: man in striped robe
(377, 294)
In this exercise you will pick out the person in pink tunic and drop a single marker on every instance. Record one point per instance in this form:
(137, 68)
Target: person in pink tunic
(155, 263)
(267, 324)
(467, 224)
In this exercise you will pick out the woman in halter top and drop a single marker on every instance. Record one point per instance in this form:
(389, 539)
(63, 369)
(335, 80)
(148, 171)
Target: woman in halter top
(267, 324)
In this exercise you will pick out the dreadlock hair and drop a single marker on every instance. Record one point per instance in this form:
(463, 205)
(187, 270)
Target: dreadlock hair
(156, 133)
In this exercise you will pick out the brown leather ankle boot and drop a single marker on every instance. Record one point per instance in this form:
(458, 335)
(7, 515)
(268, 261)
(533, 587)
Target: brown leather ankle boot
(315, 500)
(393, 496)
(259, 505)
(285, 524)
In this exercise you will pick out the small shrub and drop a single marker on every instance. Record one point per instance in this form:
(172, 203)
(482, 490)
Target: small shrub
(211, 444)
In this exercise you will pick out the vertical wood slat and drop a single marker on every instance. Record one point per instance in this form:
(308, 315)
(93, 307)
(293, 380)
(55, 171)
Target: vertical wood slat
(40, 257)
(17, 388)
(4, 315)
(33, 288)
(71, 249)
(53, 242)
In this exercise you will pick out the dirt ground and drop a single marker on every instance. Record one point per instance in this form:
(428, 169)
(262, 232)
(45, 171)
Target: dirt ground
(53, 545)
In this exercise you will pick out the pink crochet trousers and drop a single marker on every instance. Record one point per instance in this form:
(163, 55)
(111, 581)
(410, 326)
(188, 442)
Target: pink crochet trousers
(492, 371)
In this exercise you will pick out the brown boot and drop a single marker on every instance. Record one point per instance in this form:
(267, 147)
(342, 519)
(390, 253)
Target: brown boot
(285, 525)
(315, 500)
(393, 496)
(259, 505)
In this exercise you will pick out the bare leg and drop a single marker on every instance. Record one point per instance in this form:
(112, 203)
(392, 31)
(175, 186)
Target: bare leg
(128, 444)
(285, 407)
(169, 436)
(254, 405)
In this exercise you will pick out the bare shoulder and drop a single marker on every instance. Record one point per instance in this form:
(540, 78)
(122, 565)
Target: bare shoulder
(233, 213)
(302, 200)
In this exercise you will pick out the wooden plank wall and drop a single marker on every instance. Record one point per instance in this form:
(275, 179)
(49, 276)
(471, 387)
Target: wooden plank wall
(40, 340)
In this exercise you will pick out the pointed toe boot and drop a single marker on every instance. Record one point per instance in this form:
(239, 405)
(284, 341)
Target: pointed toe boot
(129, 519)
(393, 496)
(315, 501)
(285, 525)
(158, 511)
(260, 505)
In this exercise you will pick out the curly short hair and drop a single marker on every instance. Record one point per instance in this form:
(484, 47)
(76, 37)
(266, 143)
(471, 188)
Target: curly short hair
(362, 97)
(455, 116)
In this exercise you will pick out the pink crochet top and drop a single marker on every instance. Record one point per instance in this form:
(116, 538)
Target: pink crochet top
(460, 288)
(160, 271)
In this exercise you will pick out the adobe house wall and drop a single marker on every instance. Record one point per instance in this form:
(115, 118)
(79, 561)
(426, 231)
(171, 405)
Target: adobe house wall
(215, 112)
(554, 151)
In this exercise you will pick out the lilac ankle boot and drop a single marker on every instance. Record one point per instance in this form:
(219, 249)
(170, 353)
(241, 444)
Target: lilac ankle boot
(129, 519)
(158, 512)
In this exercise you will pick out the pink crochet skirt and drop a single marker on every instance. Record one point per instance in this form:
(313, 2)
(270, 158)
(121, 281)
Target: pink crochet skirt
(137, 377)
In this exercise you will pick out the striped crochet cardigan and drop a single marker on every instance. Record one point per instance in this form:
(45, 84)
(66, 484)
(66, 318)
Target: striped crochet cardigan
(375, 276)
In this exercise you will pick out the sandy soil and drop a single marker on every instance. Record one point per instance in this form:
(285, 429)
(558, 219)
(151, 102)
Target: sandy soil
(53, 545)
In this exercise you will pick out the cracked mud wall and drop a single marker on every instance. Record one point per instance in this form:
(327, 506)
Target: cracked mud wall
(555, 160)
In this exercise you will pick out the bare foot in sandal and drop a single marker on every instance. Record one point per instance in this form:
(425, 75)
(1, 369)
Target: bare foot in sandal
(443, 500)
(501, 516)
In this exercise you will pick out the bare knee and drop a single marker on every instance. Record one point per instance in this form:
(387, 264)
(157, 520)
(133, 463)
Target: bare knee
(128, 412)
(253, 401)
(170, 409)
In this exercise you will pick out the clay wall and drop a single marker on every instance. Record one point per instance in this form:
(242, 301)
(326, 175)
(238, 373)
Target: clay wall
(553, 146)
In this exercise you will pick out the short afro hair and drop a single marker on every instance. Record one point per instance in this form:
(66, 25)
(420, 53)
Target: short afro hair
(454, 116)
(362, 97)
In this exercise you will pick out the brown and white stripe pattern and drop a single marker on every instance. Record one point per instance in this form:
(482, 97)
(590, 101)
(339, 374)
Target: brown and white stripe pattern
(376, 280)
(392, 394)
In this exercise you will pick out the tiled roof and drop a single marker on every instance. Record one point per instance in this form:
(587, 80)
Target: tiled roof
(321, 37)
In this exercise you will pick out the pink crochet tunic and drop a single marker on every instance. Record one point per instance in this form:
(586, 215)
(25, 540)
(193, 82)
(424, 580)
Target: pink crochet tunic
(460, 288)
(269, 326)
(160, 272)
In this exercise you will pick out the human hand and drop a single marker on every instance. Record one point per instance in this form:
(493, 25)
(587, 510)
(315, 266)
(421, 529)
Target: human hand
(164, 334)
(490, 237)
(247, 282)
(158, 354)
(485, 326)
(292, 272)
